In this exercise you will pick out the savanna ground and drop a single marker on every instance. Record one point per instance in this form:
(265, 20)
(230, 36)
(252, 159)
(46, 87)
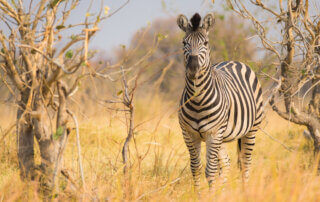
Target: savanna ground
(160, 162)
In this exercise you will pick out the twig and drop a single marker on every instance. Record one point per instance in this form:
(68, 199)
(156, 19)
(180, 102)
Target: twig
(274, 139)
(7, 131)
(106, 76)
(159, 189)
(122, 6)
(67, 176)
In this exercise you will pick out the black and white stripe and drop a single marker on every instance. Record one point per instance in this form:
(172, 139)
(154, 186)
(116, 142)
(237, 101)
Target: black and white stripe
(220, 103)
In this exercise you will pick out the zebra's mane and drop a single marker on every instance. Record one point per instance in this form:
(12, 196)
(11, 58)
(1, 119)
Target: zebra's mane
(195, 21)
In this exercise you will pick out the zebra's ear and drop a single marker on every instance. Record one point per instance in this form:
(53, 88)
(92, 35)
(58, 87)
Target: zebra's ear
(182, 22)
(208, 21)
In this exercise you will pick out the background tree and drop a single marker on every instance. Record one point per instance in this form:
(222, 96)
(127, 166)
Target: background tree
(166, 66)
(296, 25)
(41, 69)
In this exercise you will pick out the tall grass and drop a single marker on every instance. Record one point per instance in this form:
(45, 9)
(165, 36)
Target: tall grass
(159, 163)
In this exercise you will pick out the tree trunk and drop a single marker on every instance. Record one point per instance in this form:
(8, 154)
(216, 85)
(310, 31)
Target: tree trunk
(25, 140)
(48, 150)
(37, 122)
(314, 129)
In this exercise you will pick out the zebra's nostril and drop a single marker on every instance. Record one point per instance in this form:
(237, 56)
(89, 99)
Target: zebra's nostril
(193, 57)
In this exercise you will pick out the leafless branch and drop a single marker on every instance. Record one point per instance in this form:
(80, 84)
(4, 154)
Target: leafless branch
(276, 140)
(78, 146)
(158, 189)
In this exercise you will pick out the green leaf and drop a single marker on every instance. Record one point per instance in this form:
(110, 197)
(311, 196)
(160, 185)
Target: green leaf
(161, 36)
(221, 17)
(58, 133)
(119, 92)
(60, 27)
(69, 54)
(163, 5)
(196, 93)
(2, 50)
(106, 10)
(53, 3)
(73, 37)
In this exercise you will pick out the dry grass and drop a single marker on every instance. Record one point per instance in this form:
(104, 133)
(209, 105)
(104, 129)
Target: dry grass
(160, 163)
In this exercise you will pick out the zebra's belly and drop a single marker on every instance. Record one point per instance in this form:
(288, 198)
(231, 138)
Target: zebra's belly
(201, 134)
(237, 128)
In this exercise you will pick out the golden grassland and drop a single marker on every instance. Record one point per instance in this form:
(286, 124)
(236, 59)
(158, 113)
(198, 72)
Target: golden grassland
(159, 162)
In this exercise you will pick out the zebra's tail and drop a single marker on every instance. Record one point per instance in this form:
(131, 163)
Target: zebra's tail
(238, 151)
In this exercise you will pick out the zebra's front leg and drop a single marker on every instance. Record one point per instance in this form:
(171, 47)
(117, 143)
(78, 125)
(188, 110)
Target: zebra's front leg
(194, 147)
(245, 146)
(213, 145)
(224, 163)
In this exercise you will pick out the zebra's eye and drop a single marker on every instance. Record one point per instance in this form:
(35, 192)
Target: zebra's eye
(184, 43)
(205, 43)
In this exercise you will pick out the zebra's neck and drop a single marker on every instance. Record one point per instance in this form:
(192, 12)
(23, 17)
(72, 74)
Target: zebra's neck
(198, 88)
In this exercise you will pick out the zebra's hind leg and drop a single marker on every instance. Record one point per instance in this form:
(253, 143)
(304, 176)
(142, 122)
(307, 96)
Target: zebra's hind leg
(213, 145)
(194, 147)
(224, 163)
(245, 148)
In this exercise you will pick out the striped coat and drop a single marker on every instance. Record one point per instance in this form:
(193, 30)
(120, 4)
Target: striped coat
(227, 97)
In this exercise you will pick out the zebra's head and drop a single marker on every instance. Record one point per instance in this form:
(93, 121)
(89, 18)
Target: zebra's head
(195, 43)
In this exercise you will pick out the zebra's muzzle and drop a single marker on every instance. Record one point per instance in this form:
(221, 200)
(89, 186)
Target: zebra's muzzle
(192, 66)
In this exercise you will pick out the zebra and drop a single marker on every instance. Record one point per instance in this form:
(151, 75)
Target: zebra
(220, 103)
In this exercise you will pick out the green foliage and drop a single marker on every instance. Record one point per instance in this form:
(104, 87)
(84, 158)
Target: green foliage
(53, 3)
(89, 14)
(255, 66)
(58, 133)
(106, 10)
(60, 27)
(196, 93)
(69, 54)
(225, 53)
(73, 37)
(98, 19)
(119, 92)
(160, 36)
(163, 5)
(221, 17)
